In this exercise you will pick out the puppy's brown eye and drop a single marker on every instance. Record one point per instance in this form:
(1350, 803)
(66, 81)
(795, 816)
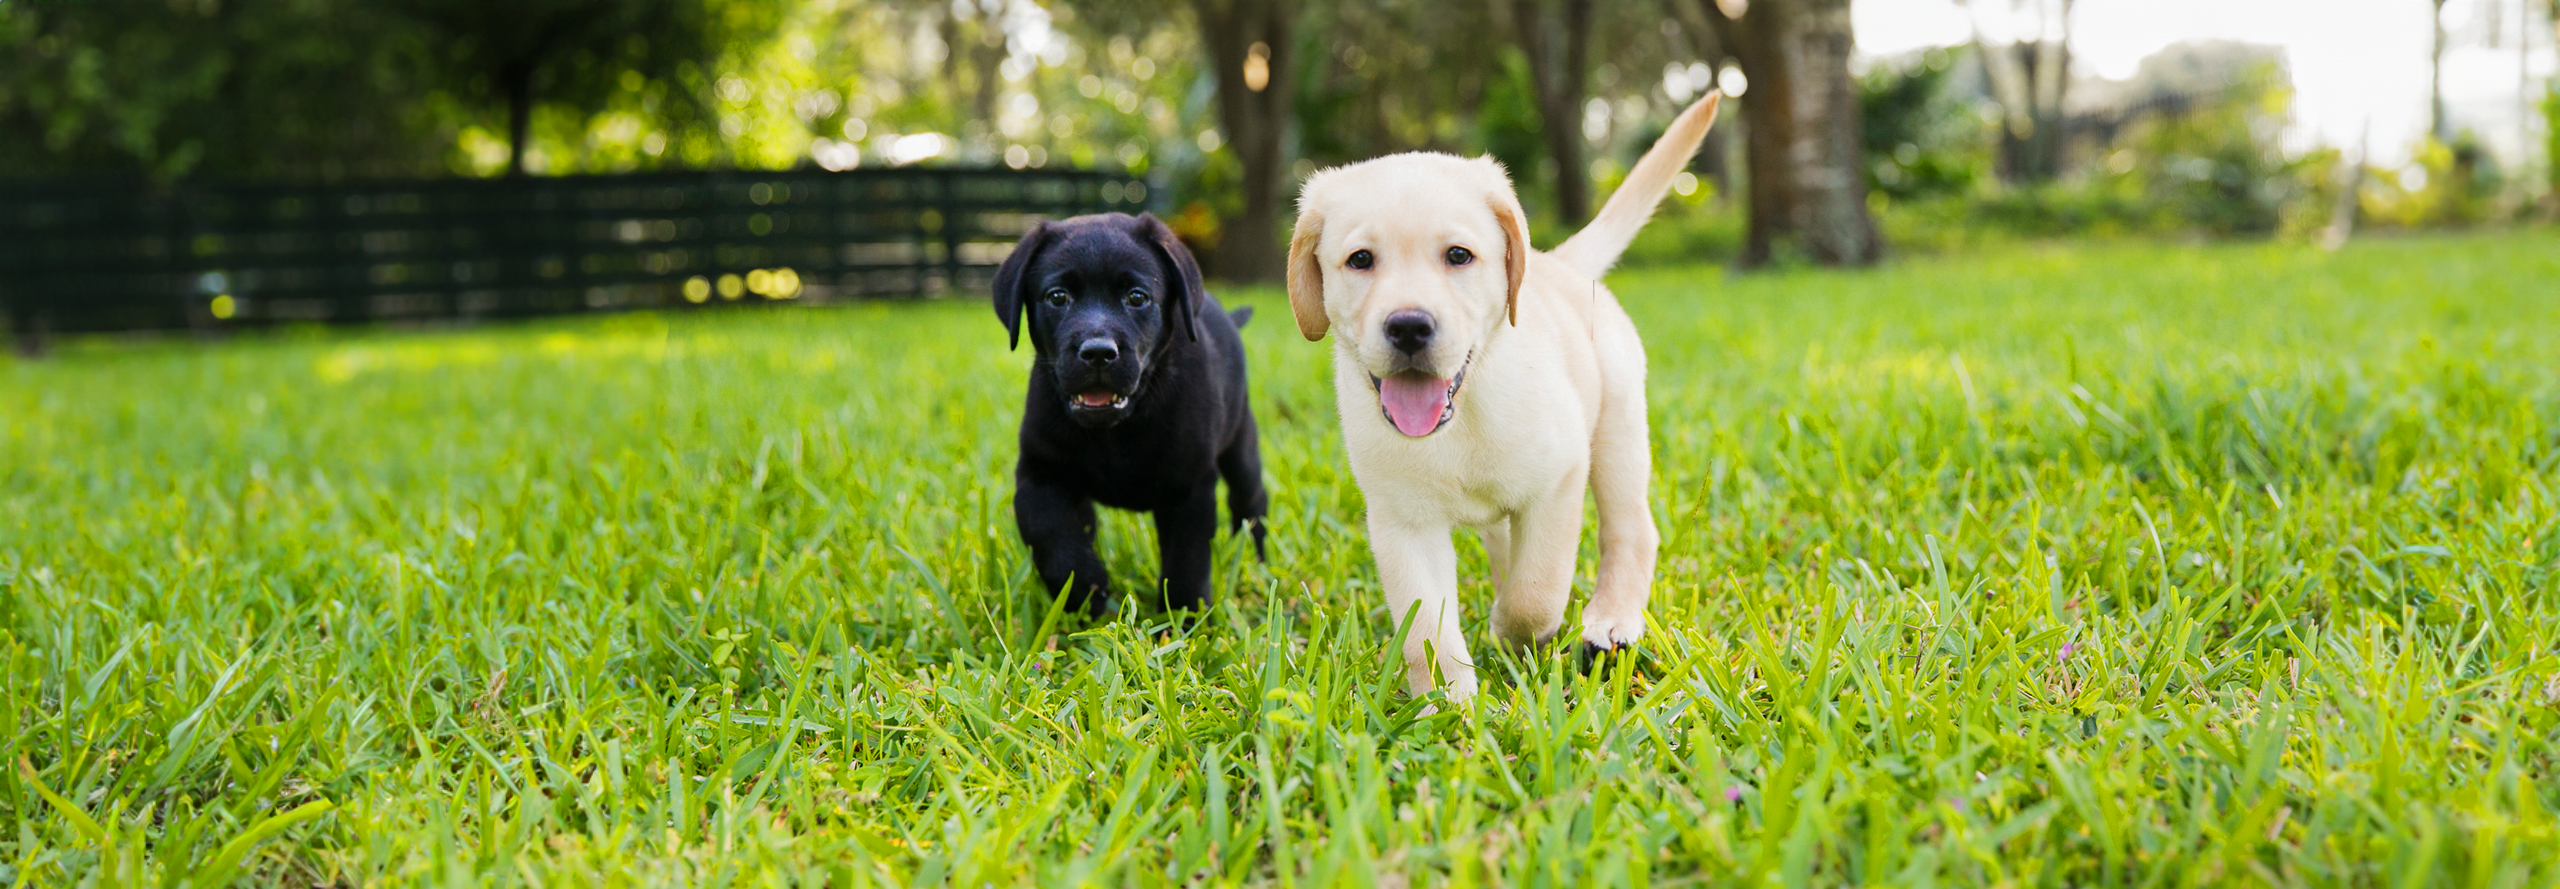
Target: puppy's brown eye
(1461, 256)
(1137, 299)
(1057, 298)
(1360, 259)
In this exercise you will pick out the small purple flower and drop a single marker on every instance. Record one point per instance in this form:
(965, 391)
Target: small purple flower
(2066, 651)
(1957, 802)
(1733, 794)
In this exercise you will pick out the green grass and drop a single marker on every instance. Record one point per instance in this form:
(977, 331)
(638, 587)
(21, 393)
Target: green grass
(2133, 565)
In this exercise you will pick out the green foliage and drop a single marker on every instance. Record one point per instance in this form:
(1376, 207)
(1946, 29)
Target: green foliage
(576, 58)
(1403, 75)
(2551, 138)
(2446, 185)
(290, 88)
(1378, 78)
(2141, 564)
(1922, 140)
(2103, 206)
(2222, 168)
(1686, 230)
(300, 89)
(1507, 126)
(2214, 168)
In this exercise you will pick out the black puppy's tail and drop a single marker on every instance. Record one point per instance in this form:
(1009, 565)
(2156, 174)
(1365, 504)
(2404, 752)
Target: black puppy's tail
(1240, 315)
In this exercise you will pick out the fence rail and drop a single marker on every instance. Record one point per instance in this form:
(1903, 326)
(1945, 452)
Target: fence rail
(93, 256)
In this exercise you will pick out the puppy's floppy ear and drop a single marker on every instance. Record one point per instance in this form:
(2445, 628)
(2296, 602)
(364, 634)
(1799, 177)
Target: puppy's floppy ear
(1011, 302)
(1515, 251)
(1306, 275)
(1186, 305)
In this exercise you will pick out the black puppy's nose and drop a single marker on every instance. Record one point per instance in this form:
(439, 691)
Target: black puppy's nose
(1098, 350)
(1409, 330)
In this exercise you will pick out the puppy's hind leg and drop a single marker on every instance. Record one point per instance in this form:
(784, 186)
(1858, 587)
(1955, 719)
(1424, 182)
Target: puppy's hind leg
(1247, 501)
(1058, 524)
(1621, 472)
(1419, 568)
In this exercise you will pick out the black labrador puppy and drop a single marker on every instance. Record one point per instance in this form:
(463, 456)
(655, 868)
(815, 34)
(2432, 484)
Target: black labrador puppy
(1137, 401)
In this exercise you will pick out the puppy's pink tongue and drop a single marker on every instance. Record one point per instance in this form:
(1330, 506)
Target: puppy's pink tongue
(1414, 400)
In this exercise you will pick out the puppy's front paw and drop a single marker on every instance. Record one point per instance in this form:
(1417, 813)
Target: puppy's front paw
(1605, 632)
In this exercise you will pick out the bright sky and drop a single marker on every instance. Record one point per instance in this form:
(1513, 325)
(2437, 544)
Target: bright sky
(2353, 62)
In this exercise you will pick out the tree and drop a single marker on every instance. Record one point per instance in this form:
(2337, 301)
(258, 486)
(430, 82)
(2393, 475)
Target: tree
(1808, 186)
(2030, 78)
(272, 89)
(1252, 46)
(2439, 124)
(519, 54)
(1712, 160)
(2551, 121)
(1384, 76)
(1559, 51)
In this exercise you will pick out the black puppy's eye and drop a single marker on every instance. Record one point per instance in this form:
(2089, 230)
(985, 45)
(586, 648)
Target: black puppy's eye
(1360, 259)
(1461, 256)
(1057, 297)
(1137, 299)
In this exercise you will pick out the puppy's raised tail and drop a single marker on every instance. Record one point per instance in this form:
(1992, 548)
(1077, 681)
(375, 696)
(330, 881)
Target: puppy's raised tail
(1596, 247)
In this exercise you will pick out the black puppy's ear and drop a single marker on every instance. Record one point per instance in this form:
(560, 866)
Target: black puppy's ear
(1011, 302)
(1194, 296)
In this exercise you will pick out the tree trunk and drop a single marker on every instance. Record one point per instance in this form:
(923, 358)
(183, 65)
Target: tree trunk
(28, 327)
(1714, 164)
(2058, 143)
(2551, 124)
(1714, 161)
(987, 54)
(2342, 214)
(1250, 39)
(1808, 184)
(2438, 124)
(1560, 75)
(516, 78)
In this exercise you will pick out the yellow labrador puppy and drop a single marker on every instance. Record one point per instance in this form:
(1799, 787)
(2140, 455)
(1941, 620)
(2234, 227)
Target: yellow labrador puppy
(1485, 384)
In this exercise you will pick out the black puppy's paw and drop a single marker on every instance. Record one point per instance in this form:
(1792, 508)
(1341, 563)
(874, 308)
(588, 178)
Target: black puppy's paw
(1589, 655)
(1261, 533)
(1097, 607)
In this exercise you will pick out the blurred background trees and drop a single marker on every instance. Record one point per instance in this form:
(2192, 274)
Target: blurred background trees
(297, 87)
(508, 56)
(1823, 155)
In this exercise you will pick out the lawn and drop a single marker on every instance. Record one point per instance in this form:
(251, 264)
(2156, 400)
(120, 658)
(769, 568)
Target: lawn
(2114, 565)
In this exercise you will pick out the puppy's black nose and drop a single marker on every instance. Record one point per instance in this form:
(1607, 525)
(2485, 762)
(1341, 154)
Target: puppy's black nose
(1098, 351)
(1409, 331)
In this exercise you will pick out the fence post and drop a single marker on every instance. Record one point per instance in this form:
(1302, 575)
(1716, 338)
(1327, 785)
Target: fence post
(922, 264)
(951, 236)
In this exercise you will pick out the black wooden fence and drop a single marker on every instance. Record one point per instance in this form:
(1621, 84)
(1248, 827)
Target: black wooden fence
(92, 256)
